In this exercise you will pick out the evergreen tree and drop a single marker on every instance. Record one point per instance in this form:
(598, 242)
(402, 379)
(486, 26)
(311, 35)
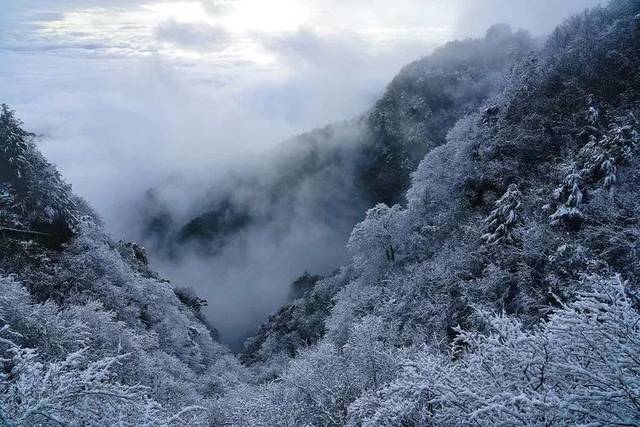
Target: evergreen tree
(600, 156)
(504, 218)
(15, 144)
(569, 197)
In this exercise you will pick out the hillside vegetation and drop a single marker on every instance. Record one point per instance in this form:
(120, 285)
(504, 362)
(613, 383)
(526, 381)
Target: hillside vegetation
(505, 292)
(332, 175)
(503, 289)
(88, 334)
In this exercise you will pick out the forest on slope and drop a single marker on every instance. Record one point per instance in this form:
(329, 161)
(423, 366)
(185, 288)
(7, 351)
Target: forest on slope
(489, 298)
(502, 290)
(348, 166)
(292, 209)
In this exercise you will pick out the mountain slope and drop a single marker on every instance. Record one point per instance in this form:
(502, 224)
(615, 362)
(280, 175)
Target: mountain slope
(348, 167)
(504, 291)
(291, 209)
(530, 209)
(88, 334)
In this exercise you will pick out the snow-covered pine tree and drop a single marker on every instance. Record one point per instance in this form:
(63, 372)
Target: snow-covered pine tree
(599, 157)
(597, 161)
(569, 198)
(38, 192)
(504, 219)
(593, 112)
(14, 145)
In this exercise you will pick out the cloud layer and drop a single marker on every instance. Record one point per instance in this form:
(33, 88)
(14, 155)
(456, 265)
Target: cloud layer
(193, 35)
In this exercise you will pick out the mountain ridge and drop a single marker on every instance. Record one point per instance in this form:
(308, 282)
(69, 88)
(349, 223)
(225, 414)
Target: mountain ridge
(504, 291)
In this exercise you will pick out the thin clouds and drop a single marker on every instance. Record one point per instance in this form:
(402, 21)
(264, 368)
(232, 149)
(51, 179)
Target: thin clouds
(308, 46)
(193, 35)
(539, 17)
(217, 7)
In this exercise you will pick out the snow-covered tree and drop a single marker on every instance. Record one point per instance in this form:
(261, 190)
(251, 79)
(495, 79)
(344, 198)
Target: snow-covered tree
(41, 196)
(597, 161)
(504, 219)
(372, 240)
(569, 199)
(15, 144)
(578, 368)
(72, 391)
(9, 211)
(600, 156)
(593, 112)
(368, 357)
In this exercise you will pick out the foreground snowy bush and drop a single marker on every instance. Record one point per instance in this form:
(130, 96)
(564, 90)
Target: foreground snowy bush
(581, 367)
(54, 370)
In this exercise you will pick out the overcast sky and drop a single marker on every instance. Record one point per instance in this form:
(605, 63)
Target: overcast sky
(128, 93)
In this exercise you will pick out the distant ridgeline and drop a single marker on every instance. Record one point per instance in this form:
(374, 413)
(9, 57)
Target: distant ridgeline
(341, 170)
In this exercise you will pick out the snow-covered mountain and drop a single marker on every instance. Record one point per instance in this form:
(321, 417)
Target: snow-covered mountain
(501, 289)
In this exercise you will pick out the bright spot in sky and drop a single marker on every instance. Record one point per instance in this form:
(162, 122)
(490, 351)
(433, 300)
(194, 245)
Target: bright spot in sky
(241, 26)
